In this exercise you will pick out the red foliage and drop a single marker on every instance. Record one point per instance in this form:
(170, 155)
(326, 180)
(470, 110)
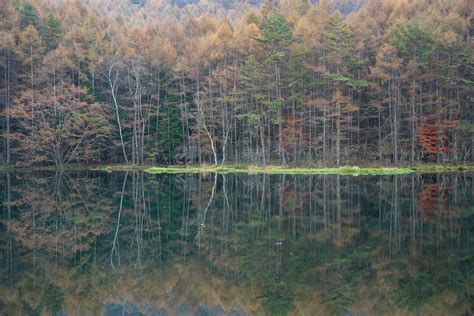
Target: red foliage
(59, 125)
(432, 136)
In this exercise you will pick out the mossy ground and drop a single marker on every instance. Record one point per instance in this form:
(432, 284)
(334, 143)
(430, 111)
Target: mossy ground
(442, 168)
(281, 170)
(347, 170)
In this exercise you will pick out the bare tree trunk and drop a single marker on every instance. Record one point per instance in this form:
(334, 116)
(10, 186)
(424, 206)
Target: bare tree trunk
(186, 122)
(7, 105)
(338, 134)
(202, 120)
(140, 116)
(392, 104)
(226, 126)
(224, 145)
(395, 123)
(10, 250)
(262, 141)
(413, 120)
(112, 79)
(32, 78)
(324, 137)
(280, 116)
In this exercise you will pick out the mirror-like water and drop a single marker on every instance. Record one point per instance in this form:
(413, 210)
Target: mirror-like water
(135, 244)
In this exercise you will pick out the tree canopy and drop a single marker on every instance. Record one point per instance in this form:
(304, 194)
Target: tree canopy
(247, 82)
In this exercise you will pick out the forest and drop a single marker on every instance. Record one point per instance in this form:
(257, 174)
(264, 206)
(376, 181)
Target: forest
(274, 82)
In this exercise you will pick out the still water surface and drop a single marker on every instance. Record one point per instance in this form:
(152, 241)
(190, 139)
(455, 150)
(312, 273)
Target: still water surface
(85, 243)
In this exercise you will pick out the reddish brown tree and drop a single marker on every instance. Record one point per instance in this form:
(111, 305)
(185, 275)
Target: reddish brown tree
(433, 137)
(59, 125)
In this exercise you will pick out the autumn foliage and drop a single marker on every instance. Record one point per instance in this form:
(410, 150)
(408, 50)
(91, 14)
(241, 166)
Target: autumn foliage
(330, 82)
(433, 136)
(59, 125)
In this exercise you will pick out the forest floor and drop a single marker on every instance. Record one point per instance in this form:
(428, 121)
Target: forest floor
(345, 170)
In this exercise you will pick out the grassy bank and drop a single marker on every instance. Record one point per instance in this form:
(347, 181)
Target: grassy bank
(442, 168)
(280, 170)
(346, 170)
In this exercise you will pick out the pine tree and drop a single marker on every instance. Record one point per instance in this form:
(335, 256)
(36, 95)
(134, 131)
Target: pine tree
(169, 130)
(251, 79)
(277, 36)
(29, 16)
(51, 33)
(339, 63)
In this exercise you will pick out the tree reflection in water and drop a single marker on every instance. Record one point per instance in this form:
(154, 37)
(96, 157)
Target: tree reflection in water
(87, 243)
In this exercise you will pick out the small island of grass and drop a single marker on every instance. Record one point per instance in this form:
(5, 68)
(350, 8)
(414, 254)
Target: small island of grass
(345, 170)
(250, 169)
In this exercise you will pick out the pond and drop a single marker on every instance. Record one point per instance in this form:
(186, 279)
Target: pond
(86, 243)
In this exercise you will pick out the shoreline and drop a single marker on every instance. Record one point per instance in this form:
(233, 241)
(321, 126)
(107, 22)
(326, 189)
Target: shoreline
(343, 170)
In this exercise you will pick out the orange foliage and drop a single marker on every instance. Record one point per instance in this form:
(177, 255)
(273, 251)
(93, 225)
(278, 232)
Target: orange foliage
(433, 136)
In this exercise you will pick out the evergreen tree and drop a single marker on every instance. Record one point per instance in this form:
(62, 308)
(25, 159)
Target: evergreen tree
(29, 16)
(251, 79)
(339, 61)
(169, 130)
(338, 53)
(277, 36)
(51, 33)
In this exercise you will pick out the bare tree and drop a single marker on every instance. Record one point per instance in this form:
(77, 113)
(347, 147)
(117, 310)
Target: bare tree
(111, 75)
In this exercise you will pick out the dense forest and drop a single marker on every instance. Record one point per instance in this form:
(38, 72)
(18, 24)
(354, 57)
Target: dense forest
(236, 82)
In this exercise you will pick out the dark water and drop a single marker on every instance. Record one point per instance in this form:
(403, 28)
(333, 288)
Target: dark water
(137, 244)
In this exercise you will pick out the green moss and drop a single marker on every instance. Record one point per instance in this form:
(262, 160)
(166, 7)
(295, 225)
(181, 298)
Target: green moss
(443, 168)
(282, 170)
(114, 168)
(347, 170)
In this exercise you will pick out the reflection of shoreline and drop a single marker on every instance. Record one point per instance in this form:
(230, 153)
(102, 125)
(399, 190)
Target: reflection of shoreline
(268, 242)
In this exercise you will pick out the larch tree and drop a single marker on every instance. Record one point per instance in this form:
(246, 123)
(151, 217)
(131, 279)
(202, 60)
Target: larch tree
(9, 23)
(289, 82)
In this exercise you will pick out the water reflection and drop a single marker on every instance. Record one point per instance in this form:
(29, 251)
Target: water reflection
(130, 243)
